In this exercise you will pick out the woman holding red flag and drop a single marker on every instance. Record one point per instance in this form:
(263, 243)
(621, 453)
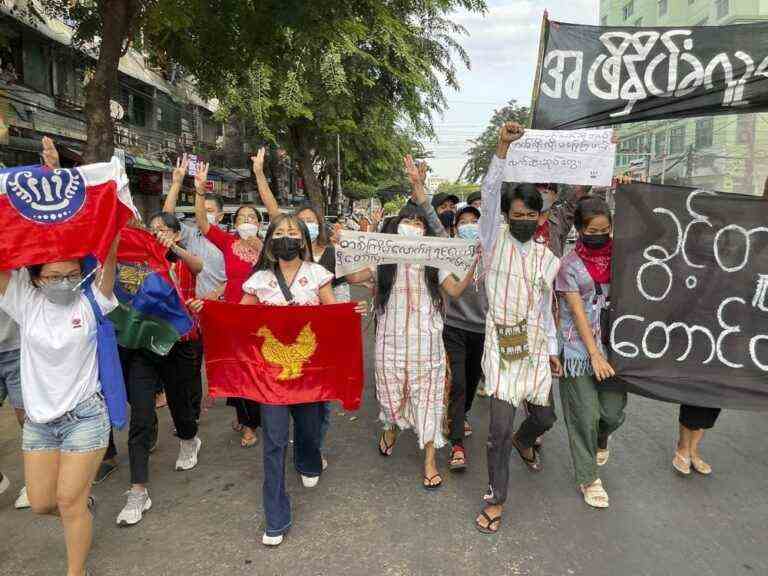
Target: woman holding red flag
(592, 408)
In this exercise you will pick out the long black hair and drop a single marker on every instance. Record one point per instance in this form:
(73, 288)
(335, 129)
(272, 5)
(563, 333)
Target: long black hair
(267, 260)
(387, 272)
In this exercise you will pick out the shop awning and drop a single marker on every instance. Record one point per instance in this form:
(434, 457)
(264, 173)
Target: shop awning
(140, 163)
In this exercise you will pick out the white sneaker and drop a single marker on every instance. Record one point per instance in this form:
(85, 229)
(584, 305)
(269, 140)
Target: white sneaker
(4, 483)
(271, 540)
(22, 502)
(188, 450)
(135, 506)
(325, 464)
(310, 481)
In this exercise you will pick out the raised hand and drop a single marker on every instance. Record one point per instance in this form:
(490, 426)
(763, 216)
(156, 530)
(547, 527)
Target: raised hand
(181, 169)
(258, 161)
(376, 217)
(510, 132)
(201, 177)
(413, 171)
(165, 239)
(50, 154)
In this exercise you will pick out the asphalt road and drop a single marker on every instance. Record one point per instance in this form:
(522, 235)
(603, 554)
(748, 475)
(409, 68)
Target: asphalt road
(370, 516)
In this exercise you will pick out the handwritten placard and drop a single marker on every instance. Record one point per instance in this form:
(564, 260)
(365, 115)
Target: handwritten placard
(562, 157)
(358, 250)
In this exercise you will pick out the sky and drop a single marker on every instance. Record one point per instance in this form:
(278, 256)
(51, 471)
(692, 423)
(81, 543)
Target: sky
(502, 45)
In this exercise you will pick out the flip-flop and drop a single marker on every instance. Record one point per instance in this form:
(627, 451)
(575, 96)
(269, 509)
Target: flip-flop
(534, 464)
(457, 463)
(387, 451)
(429, 480)
(487, 529)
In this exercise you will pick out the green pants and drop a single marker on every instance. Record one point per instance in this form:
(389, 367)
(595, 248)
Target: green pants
(589, 412)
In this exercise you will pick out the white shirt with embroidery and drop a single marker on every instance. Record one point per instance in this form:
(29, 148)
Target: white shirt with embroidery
(305, 286)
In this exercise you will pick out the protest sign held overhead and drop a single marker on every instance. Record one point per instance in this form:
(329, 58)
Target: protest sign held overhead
(599, 76)
(562, 157)
(690, 296)
(358, 250)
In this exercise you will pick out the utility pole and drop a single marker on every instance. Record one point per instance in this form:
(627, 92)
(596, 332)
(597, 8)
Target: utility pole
(339, 199)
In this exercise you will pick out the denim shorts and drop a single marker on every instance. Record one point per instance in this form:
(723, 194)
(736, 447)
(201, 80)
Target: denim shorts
(10, 379)
(85, 428)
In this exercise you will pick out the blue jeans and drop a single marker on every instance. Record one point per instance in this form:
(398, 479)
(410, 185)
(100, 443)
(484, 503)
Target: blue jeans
(10, 381)
(306, 456)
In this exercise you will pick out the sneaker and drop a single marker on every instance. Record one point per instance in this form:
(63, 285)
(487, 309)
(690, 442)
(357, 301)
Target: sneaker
(22, 502)
(325, 463)
(309, 481)
(106, 469)
(188, 450)
(4, 483)
(135, 506)
(271, 540)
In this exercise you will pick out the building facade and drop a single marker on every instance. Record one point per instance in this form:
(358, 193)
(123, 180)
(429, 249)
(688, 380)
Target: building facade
(726, 153)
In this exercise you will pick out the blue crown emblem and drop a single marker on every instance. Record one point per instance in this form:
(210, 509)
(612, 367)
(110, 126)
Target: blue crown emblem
(46, 196)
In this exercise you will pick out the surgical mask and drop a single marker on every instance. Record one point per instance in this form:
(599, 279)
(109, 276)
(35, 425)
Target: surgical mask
(548, 201)
(247, 230)
(447, 218)
(469, 231)
(62, 292)
(286, 248)
(523, 230)
(314, 230)
(595, 241)
(211, 218)
(408, 230)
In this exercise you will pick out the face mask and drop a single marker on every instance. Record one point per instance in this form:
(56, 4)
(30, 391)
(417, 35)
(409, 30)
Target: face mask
(447, 218)
(247, 230)
(211, 218)
(523, 230)
(314, 230)
(595, 241)
(548, 201)
(62, 292)
(408, 230)
(286, 248)
(469, 231)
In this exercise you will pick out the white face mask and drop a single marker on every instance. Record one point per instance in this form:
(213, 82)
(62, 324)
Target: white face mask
(211, 218)
(313, 229)
(469, 231)
(247, 230)
(408, 230)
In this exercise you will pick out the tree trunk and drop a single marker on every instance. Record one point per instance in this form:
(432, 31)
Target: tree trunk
(116, 16)
(312, 187)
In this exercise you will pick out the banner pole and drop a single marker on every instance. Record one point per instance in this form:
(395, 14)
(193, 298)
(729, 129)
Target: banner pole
(540, 60)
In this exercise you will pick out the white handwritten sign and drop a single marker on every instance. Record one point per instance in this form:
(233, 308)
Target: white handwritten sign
(358, 250)
(562, 157)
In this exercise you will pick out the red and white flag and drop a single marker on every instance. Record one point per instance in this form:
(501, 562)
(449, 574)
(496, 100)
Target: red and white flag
(52, 215)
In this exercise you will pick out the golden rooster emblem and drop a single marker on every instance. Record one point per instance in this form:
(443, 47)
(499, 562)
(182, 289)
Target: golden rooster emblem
(290, 357)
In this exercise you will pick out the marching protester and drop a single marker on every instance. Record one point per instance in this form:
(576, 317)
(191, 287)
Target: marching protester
(445, 206)
(693, 420)
(410, 356)
(177, 370)
(241, 252)
(593, 409)
(67, 425)
(475, 200)
(521, 349)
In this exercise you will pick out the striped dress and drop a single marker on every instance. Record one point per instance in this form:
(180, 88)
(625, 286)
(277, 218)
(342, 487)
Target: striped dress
(519, 287)
(410, 358)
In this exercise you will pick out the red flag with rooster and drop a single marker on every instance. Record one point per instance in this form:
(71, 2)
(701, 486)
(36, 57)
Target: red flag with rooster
(284, 354)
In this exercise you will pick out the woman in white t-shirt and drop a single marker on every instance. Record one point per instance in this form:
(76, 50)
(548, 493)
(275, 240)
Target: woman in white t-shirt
(67, 427)
(287, 253)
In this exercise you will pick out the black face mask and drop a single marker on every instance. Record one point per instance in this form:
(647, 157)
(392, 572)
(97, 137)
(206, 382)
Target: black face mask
(286, 248)
(447, 218)
(595, 241)
(523, 230)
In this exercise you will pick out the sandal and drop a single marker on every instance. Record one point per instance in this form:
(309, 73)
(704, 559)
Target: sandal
(595, 495)
(458, 461)
(488, 528)
(467, 429)
(534, 464)
(384, 448)
(602, 456)
(429, 482)
(249, 441)
(681, 464)
(700, 466)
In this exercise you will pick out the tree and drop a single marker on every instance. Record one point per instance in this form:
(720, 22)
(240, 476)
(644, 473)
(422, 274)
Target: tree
(462, 190)
(482, 148)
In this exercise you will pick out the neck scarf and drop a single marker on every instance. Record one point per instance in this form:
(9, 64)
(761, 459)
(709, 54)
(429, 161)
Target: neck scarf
(597, 261)
(542, 233)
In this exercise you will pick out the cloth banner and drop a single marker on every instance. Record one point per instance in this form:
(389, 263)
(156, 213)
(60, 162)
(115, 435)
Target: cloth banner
(51, 215)
(562, 157)
(358, 250)
(601, 76)
(284, 354)
(689, 317)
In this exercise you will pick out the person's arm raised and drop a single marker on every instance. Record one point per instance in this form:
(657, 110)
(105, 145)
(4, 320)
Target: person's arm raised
(177, 178)
(106, 283)
(417, 174)
(201, 177)
(50, 154)
(265, 192)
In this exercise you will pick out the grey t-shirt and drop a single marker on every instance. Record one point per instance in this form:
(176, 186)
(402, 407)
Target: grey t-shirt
(9, 333)
(213, 274)
(469, 310)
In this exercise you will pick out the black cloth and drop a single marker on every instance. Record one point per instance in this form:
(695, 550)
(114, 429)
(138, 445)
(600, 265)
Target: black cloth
(248, 412)
(698, 417)
(465, 356)
(197, 385)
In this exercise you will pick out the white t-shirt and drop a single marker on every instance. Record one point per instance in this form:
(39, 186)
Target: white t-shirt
(59, 367)
(305, 288)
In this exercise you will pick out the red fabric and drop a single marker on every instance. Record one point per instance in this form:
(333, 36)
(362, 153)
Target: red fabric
(542, 233)
(238, 270)
(90, 232)
(139, 246)
(597, 261)
(185, 284)
(237, 357)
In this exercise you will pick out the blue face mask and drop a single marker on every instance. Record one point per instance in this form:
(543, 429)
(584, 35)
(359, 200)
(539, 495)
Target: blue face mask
(469, 231)
(314, 230)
